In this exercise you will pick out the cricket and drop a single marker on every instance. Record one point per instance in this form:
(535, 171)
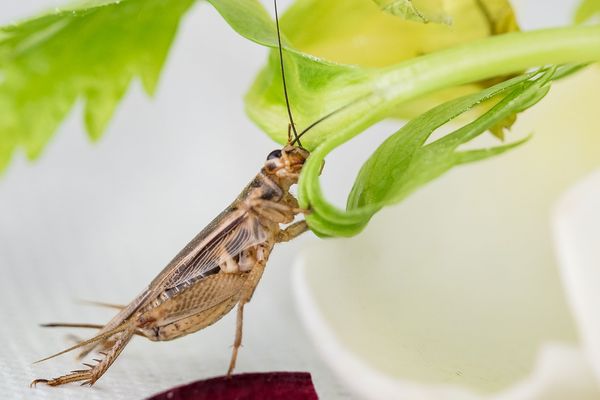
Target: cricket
(217, 271)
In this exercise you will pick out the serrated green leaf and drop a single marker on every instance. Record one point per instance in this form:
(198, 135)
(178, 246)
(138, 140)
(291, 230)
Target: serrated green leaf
(587, 10)
(91, 52)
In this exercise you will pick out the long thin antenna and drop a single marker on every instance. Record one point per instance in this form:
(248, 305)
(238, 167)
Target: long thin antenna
(325, 117)
(287, 100)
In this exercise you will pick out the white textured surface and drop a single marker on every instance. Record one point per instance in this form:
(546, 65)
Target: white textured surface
(98, 221)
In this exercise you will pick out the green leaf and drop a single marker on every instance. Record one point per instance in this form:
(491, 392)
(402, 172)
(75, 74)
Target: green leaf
(423, 11)
(406, 161)
(587, 10)
(91, 52)
(248, 18)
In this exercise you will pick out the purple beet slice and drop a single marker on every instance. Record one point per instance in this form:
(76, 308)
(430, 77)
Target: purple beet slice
(253, 386)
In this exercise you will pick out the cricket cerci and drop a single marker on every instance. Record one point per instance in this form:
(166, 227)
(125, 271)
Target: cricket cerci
(217, 271)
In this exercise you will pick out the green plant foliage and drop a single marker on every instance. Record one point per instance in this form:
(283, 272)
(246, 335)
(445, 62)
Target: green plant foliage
(89, 52)
(405, 161)
(318, 88)
(587, 10)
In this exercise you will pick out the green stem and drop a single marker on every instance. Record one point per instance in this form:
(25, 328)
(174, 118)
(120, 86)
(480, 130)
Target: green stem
(487, 58)
(479, 60)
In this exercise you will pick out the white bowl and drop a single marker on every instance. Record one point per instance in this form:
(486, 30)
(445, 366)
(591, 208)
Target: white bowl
(456, 293)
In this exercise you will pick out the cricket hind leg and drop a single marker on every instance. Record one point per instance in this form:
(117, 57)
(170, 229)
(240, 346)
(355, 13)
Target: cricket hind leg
(237, 342)
(90, 375)
(254, 277)
(104, 345)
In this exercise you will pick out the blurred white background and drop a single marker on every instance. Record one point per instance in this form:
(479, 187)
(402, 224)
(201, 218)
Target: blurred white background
(98, 221)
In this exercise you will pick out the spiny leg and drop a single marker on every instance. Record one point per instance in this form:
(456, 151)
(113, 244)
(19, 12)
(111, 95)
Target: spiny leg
(292, 231)
(238, 337)
(91, 375)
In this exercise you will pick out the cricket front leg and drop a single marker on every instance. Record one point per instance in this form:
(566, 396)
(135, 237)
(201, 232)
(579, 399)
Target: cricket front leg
(278, 212)
(294, 230)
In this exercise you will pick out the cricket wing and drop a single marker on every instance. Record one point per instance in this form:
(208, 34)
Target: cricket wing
(229, 243)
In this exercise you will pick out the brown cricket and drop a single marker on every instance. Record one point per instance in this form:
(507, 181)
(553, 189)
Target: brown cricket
(219, 269)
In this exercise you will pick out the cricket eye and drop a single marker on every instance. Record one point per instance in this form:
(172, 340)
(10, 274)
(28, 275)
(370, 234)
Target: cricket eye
(274, 154)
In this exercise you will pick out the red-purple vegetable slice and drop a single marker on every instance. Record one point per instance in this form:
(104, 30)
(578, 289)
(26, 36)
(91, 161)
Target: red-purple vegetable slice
(254, 386)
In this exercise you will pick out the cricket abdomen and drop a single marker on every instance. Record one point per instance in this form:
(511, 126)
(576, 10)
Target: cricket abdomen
(193, 308)
(190, 324)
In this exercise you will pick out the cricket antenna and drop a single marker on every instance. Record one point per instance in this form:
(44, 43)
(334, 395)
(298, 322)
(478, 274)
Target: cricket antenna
(287, 100)
(326, 117)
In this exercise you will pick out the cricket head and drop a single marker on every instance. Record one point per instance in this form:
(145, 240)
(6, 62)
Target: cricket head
(284, 165)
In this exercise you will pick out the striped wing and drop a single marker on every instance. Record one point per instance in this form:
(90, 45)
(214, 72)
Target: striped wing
(242, 234)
